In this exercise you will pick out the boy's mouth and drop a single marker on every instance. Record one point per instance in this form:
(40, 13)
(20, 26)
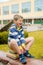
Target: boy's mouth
(20, 23)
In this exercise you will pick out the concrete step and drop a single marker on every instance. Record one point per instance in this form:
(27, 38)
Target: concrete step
(9, 61)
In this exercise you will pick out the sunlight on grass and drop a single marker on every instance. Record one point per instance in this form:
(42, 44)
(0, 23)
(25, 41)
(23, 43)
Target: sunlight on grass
(37, 47)
(4, 47)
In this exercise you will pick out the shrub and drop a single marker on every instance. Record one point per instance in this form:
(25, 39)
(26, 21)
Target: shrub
(25, 33)
(3, 37)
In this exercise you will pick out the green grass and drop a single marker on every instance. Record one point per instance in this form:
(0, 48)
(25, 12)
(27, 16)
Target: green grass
(37, 47)
(4, 47)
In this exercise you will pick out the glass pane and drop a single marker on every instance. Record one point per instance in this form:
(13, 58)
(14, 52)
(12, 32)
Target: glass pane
(15, 8)
(6, 10)
(26, 7)
(0, 11)
(0, 22)
(5, 21)
(38, 5)
(38, 21)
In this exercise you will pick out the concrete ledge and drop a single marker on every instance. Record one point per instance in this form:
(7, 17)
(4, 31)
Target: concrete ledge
(9, 61)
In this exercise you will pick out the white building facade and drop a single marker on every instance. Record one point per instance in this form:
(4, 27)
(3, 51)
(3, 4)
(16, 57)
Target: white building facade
(31, 10)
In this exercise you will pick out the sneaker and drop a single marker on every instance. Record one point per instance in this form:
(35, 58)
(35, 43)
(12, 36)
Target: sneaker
(27, 54)
(22, 58)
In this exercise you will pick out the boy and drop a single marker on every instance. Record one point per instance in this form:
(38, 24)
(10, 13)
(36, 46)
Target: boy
(16, 40)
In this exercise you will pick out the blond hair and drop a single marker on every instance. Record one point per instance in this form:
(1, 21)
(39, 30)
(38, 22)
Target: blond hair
(16, 17)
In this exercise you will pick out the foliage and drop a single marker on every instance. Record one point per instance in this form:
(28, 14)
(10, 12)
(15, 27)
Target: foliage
(3, 37)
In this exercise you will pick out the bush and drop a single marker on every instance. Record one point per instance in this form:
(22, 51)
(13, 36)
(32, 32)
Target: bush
(25, 34)
(4, 36)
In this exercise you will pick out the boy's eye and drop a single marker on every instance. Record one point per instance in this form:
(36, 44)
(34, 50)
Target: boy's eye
(20, 20)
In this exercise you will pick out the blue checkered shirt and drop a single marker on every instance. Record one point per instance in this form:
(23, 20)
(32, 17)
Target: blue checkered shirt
(16, 34)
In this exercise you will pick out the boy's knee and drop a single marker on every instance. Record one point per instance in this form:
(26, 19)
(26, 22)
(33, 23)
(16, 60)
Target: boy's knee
(32, 39)
(12, 43)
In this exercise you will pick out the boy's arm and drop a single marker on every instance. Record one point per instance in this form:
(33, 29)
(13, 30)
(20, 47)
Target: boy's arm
(14, 35)
(22, 39)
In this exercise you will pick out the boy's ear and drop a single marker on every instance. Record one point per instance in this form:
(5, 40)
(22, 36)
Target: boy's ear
(14, 21)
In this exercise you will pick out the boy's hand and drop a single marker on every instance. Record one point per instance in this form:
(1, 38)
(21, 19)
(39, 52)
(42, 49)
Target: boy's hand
(23, 46)
(20, 47)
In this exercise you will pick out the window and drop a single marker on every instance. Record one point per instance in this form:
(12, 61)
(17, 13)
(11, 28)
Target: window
(38, 5)
(6, 10)
(15, 8)
(38, 21)
(0, 21)
(26, 7)
(5, 21)
(27, 21)
(0, 11)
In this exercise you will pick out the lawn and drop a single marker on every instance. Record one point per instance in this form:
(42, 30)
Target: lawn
(37, 47)
(4, 47)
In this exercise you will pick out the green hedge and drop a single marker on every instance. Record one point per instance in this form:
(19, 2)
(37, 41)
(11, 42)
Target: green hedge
(4, 36)
(26, 34)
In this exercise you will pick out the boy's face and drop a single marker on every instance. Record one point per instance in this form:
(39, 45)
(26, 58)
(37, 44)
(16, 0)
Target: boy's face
(19, 22)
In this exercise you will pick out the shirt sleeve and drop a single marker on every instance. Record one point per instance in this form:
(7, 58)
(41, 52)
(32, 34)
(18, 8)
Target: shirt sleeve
(22, 39)
(13, 34)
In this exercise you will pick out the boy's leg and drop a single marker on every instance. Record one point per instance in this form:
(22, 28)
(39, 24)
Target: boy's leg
(14, 46)
(29, 42)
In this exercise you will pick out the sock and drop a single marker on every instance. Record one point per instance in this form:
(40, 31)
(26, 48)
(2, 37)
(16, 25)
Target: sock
(20, 55)
(27, 52)
(22, 58)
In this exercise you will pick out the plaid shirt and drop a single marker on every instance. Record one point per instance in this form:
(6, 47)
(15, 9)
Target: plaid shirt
(16, 34)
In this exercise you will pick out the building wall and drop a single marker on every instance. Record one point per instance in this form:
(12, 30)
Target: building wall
(32, 14)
